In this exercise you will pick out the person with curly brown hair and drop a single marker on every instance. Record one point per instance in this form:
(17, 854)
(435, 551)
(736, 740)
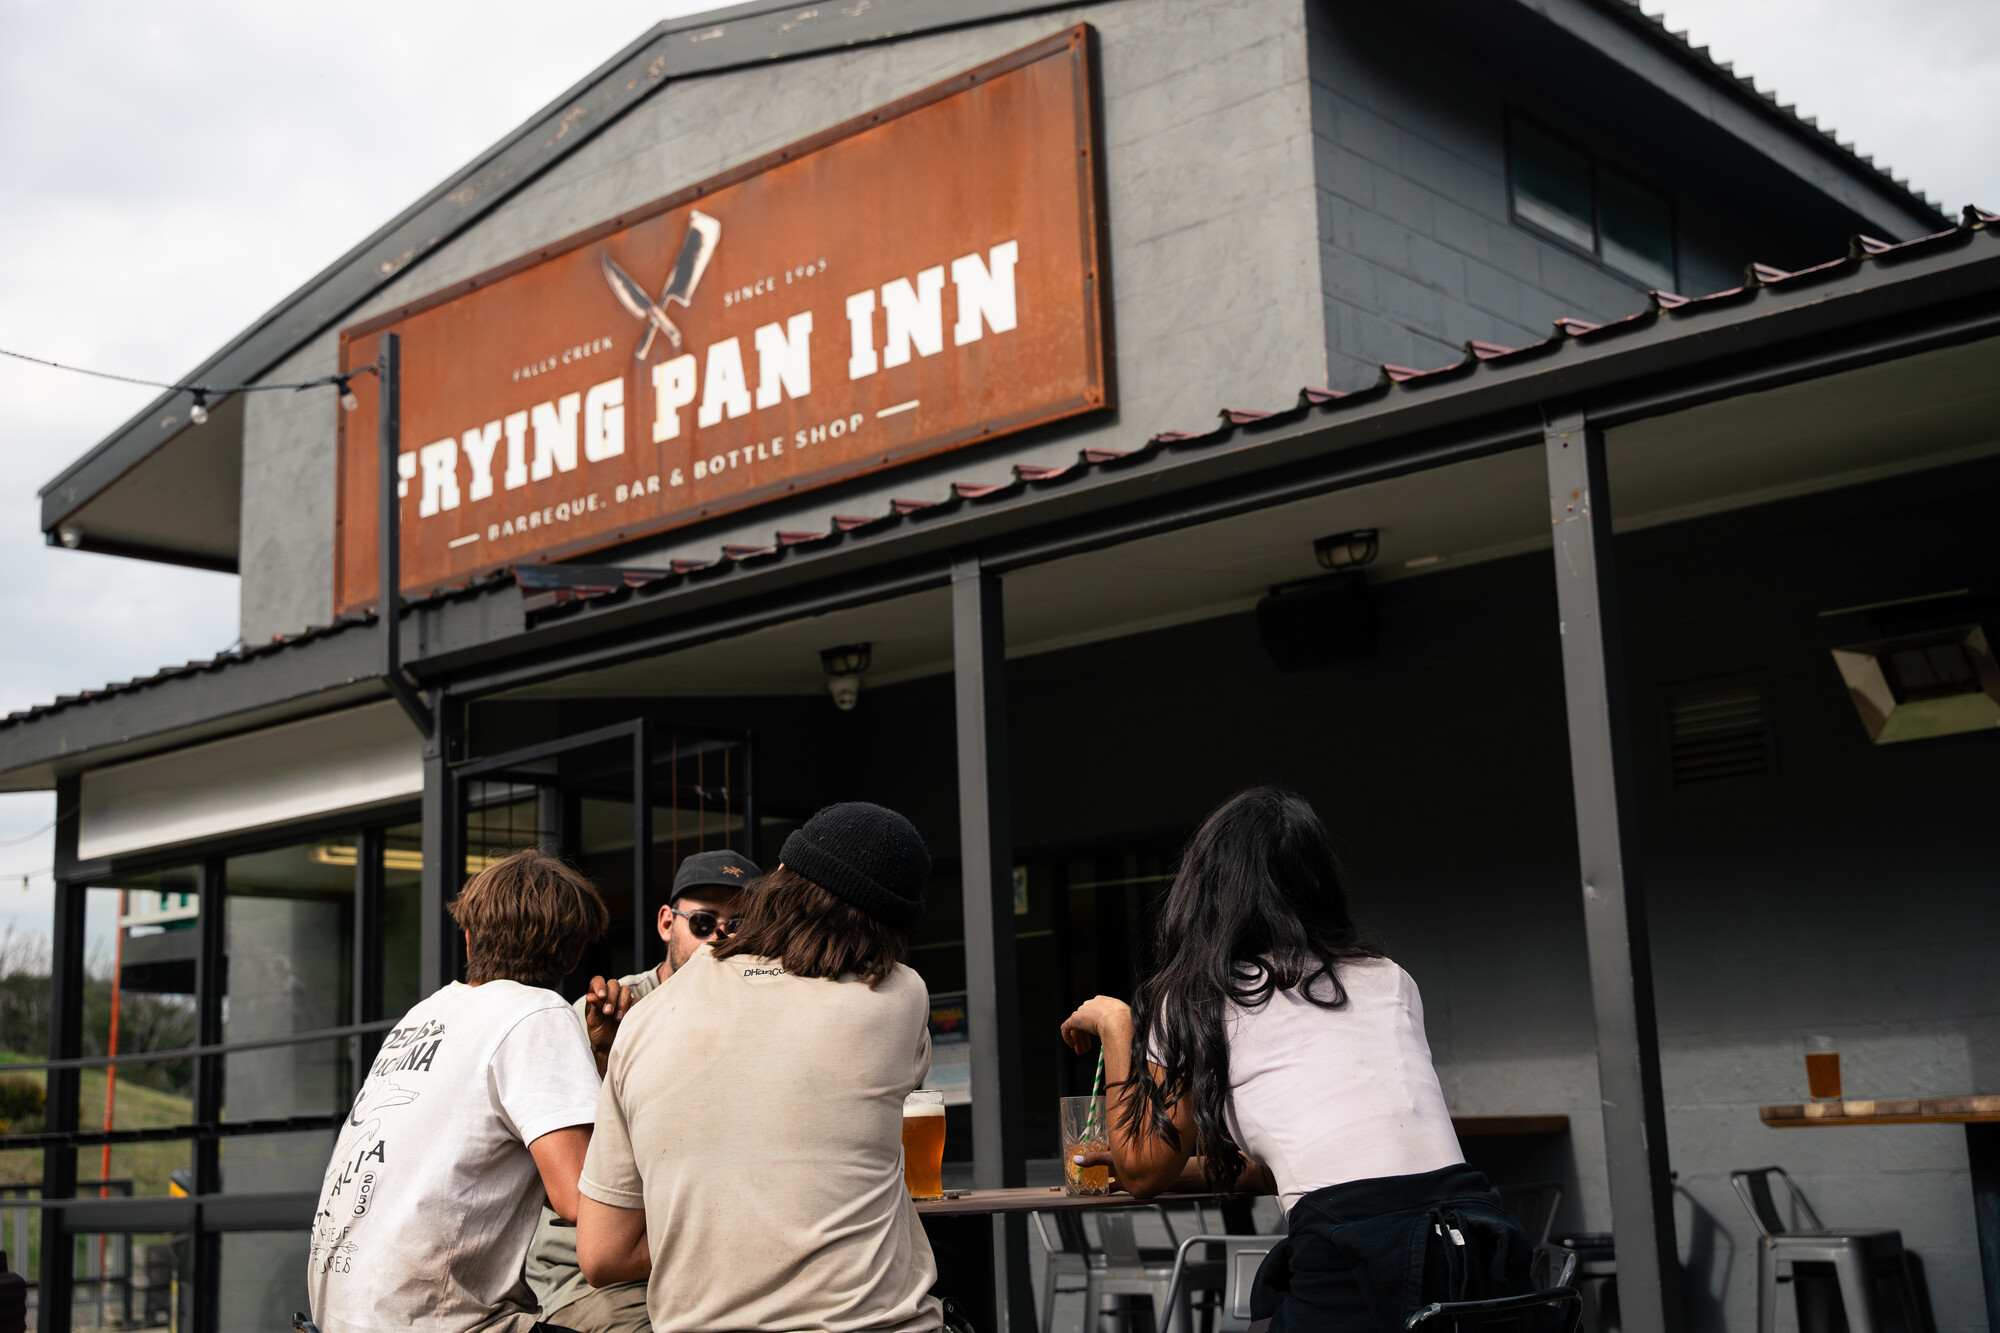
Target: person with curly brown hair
(478, 1107)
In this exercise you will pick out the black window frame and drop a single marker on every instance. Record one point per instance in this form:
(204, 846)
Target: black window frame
(1596, 165)
(208, 1213)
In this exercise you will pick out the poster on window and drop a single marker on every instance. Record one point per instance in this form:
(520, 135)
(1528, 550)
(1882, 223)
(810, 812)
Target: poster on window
(951, 1049)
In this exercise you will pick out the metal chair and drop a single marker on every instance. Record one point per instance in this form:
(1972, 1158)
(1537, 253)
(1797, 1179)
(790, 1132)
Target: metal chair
(1877, 1287)
(1534, 1207)
(1237, 1270)
(1462, 1315)
(1128, 1269)
(1119, 1266)
(1067, 1256)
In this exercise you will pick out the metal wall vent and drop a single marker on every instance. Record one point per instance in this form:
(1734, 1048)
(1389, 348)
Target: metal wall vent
(1717, 734)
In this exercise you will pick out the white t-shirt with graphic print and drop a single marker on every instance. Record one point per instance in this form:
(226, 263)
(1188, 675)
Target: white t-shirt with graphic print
(431, 1197)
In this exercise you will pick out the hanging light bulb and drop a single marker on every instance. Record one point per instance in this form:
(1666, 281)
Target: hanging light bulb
(198, 414)
(348, 401)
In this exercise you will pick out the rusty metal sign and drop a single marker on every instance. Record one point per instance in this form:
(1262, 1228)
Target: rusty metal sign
(921, 278)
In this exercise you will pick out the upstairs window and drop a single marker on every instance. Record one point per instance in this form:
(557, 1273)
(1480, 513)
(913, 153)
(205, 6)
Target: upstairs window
(1561, 191)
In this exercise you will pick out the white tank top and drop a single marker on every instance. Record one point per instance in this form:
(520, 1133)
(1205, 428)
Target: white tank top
(1325, 1096)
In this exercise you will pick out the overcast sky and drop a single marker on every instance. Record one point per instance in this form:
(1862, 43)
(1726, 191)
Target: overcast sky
(169, 172)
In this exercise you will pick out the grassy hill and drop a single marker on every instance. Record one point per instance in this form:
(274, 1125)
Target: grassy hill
(147, 1164)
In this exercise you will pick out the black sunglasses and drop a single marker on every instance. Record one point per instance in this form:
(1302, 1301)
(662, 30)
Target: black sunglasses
(702, 924)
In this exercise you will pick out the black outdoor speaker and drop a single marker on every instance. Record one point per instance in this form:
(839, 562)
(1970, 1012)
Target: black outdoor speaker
(1318, 622)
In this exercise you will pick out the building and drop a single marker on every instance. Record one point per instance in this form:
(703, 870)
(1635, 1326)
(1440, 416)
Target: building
(1082, 608)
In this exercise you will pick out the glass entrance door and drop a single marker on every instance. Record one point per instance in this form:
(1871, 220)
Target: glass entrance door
(623, 804)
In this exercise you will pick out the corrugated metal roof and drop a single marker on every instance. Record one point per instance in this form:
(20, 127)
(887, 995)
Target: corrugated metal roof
(548, 588)
(551, 591)
(244, 652)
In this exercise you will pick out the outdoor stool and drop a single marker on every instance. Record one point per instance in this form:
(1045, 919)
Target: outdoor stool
(1877, 1289)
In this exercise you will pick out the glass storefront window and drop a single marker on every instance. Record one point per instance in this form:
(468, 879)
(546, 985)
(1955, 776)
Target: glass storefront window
(141, 943)
(132, 1280)
(262, 1280)
(402, 889)
(288, 934)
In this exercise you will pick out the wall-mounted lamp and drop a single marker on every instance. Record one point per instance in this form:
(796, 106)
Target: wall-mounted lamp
(1347, 550)
(843, 666)
(1923, 685)
(1920, 666)
(70, 535)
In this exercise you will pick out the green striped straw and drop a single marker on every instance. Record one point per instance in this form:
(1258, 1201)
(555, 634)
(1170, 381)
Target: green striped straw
(1096, 1090)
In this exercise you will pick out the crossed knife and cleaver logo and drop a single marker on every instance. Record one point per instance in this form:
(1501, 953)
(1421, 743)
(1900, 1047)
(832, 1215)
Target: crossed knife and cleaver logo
(696, 249)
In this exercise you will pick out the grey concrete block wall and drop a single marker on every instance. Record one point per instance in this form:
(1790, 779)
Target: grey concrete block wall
(1297, 191)
(1213, 232)
(287, 520)
(1418, 249)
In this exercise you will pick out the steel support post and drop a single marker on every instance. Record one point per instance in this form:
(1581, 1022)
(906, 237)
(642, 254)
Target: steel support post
(66, 982)
(211, 984)
(642, 842)
(1614, 909)
(444, 850)
(750, 797)
(389, 567)
(1982, 1151)
(986, 835)
(367, 1008)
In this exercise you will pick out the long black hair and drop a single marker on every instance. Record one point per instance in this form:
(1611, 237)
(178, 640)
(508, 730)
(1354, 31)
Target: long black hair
(1259, 905)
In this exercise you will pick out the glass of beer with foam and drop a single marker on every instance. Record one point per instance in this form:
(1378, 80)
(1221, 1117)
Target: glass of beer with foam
(923, 1143)
(1823, 1068)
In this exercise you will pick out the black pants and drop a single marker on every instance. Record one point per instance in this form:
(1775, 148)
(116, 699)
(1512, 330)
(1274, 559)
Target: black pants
(1360, 1257)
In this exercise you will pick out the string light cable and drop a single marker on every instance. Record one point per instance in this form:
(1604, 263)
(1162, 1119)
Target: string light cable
(198, 414)
(30, 837)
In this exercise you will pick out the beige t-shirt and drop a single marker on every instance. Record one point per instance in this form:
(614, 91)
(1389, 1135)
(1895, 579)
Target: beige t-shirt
(757, 1117)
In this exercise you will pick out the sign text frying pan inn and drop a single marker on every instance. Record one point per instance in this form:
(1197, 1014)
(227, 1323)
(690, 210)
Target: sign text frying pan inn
(921, 278)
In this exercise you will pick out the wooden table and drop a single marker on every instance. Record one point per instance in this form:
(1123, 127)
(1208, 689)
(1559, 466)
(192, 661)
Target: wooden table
(1039, 1199)
(962, 1242)
(1981, 1117)
(1036, 1199)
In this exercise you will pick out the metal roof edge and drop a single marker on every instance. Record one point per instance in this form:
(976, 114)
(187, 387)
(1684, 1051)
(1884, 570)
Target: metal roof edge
(1491, 392)
(1921, 213)
(712, 42)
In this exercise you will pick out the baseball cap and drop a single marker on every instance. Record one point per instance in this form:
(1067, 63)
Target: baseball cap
(723, 869)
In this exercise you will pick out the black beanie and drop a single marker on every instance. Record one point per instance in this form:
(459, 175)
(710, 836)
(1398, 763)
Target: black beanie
(866, 855)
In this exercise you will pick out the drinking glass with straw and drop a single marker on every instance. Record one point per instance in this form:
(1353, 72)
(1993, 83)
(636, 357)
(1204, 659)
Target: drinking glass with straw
(1085, 1129)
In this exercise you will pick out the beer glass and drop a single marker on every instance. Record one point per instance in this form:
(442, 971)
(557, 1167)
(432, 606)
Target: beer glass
(923, 1143)
(1084, 1130)
(1823, 1069)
